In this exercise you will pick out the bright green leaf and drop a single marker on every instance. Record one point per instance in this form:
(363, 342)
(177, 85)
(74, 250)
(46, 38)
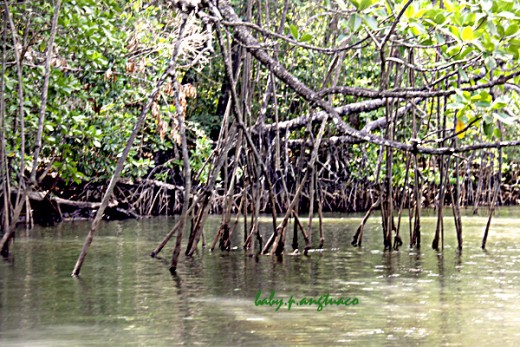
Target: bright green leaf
(465, 52)
(294, 31)
(439, 18)
(306, 37)
(467, 34)
(485, 96)
(364, 4)
(455, 31)
(469, 18)
(450, 6)
(499, 103)
(418, 29)
(453, 50)
(410, 10)
(511, 30)
(456, 19)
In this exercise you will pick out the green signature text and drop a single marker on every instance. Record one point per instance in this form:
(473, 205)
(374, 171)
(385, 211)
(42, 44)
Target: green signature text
(319, 302)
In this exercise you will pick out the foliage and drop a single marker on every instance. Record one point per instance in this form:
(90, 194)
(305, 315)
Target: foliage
(106, 58)
(108, 54)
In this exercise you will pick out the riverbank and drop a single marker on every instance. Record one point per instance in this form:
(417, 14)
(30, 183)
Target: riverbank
(134, 199)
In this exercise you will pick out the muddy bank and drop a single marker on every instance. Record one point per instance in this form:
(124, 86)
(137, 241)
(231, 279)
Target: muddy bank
(58, 201)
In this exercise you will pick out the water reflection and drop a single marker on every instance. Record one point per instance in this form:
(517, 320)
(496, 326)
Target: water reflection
(126, 298)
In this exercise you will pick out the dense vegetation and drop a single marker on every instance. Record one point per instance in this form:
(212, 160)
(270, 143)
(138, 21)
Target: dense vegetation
(258, 106)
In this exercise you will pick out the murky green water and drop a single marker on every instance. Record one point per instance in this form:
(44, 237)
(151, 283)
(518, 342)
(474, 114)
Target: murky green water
(125, 298)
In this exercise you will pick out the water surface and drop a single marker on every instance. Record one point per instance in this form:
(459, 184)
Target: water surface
(125, 298)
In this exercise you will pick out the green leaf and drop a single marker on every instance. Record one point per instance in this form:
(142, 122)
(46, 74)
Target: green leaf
(355, 3)
(492, 28)
(306, 37)
(418, 29)
(465, 52)
(371, 22)
(410, 10)
(456, 18)
(294, 31)
(341, 4)
(455, 32)
(504, 118)
(440, 18)
(511, 30)
(440, 39)
(467, 34)
(453, 50)
(364, 4)
(485, 96)
(463, 74)
(354, 22)
(499, 103)
(469, 18)
(507, 15)
(476, 97)
(455, 106)
(431, 13)
(514, 50)
(488, 129)
(490, 62)
(341, 37)
(488, 43)
(482, 104)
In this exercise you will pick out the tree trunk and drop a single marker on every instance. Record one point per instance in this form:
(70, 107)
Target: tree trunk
(104, 203)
